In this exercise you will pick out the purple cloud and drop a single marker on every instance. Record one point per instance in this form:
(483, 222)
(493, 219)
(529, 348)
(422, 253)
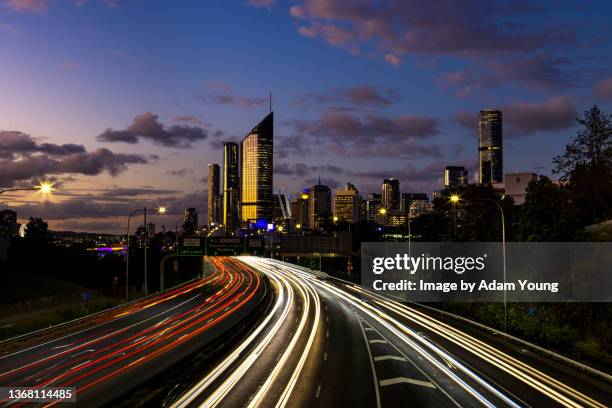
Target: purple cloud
(358, 95)
(147, 127)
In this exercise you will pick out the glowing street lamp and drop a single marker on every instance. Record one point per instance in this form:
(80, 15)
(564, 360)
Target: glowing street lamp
(382, 211)
(454, 199)
(44, 187)
(335, 219)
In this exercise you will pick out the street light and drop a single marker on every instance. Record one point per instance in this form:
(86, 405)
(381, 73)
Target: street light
(160, 210)
(454, 199)
(503, 224)
(44, 187)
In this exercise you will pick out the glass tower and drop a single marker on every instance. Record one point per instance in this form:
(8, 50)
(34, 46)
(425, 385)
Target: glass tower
(391, 194)
(256, 201)
(490, 147)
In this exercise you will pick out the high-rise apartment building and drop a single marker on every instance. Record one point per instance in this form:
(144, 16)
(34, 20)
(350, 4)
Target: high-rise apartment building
(347, 204)
(490, 147)
(319, 205)
(391, 194)
(300, 210)
(256, 158)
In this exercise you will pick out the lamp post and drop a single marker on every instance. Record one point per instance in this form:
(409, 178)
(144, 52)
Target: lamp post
(44, 187)
(455, 199)
(503, 224)
(160, 210)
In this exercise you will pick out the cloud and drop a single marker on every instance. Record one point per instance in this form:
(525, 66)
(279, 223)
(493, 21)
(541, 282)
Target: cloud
(347, 127)
(543, 71)
(401, 27)
(13, 143)
(147, 127)
(603, 89)
(222, 94)
(525, 118)
(180, 172)
(87, 163)
(27, 6)
(359, 95)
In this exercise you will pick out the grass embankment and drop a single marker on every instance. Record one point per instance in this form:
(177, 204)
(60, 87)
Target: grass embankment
(31, 302)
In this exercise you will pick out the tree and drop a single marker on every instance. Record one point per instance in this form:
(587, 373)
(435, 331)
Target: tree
(546, 213)
(37, 230)
(586, 167)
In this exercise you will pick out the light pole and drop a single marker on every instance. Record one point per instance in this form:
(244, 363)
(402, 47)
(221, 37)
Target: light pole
(160, 210)
(503, 224)
(44, 187)
(455, 199)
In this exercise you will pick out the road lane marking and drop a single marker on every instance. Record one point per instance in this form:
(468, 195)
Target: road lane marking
(318, 391)
(400, 380)
(365, 337)
(59, 347)
(383, 358)
(325, 357)
(378, 341)
(77, 366)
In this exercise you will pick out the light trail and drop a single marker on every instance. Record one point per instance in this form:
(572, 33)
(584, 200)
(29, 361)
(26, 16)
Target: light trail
(384, 321)
(543, 383)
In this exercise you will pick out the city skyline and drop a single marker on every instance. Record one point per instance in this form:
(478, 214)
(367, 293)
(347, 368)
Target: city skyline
(154, 125)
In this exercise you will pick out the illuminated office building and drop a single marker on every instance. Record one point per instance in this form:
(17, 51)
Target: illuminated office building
(256, 201)
(391, 194)
(319, 206)
(347, 205)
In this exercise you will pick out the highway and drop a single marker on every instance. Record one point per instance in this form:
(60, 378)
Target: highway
(329, 343)
(139, 341)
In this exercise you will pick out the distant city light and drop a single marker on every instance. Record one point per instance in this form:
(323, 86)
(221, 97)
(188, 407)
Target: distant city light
(454, 198)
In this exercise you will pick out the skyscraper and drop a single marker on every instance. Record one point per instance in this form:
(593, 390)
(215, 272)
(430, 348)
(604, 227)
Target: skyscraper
(231, 186)
(347, 204)
(455, 176)
(256, 155)
(213, 194)
(299, 211)
(391, 194)
(319, 206)
(490, 147)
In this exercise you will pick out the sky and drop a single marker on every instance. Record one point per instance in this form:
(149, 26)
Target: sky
(123, 103)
